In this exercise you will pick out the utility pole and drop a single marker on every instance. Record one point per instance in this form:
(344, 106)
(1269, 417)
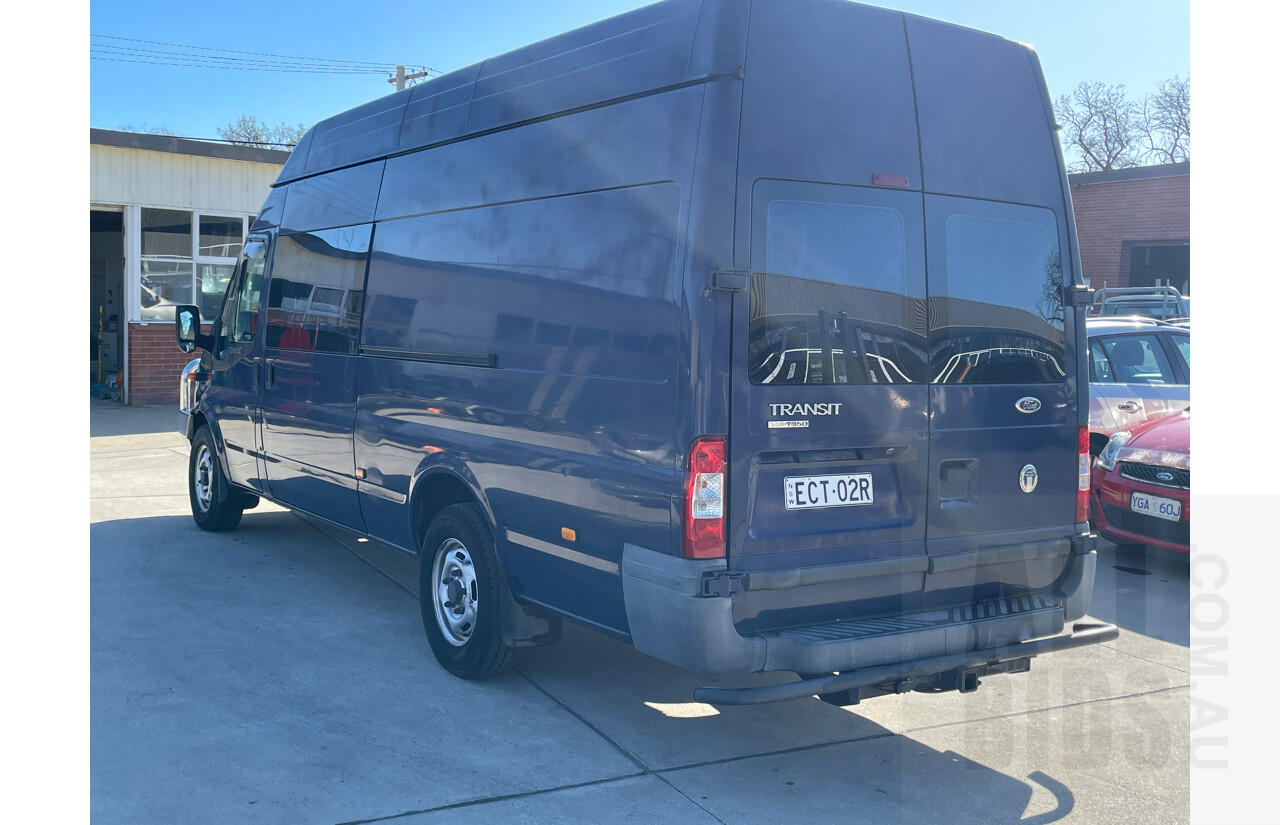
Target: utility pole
(401, 77)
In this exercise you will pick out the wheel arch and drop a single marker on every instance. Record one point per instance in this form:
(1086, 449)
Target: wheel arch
(438, 487)
(199, 418)
(446, 483)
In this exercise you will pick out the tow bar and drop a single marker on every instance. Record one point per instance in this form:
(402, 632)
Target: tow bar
(967, 667)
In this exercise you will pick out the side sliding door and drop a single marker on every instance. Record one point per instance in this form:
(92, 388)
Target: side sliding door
(314, 299)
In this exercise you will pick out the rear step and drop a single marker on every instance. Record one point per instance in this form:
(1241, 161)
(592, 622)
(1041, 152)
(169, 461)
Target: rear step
(959, 671)
(862, 643)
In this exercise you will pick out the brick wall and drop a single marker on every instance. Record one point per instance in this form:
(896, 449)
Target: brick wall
(155, 362)
(1113, 215)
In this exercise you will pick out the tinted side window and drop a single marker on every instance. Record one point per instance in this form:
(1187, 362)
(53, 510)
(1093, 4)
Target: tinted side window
(244, 323)
(995, 294)
(1138, 359)
(1100, 367)
(317, 283)
(837, 295)
(1183, 343)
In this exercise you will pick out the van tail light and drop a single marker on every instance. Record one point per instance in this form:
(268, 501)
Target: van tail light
(1085, 470)
(705, 498)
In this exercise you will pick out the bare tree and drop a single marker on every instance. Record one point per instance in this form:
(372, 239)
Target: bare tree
(1103, 129)
(148, 129)
(248, 131)
(1102, 125)
(1166, 122)
(1050, 303)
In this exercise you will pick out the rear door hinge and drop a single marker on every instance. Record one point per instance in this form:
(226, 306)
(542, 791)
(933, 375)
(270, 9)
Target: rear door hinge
(721, 583)
(730, 280)
(1077, 296)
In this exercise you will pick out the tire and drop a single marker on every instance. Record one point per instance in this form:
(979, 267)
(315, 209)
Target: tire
(214, 506)
(459, 593)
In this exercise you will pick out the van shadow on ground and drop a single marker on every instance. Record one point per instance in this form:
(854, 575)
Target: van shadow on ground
(223, 666)
(1144, 590)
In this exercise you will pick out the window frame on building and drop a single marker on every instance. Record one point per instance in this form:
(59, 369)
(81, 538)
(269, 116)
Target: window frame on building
(200, 265)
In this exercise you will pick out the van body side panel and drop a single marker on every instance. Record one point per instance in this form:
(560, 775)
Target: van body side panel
(627, 144)
(340, 198)
(704, 347)
(545, 363)
(308, 419)
(361, 134)
(437, 110)
(628, 55)
(625, 55)
(313, 306)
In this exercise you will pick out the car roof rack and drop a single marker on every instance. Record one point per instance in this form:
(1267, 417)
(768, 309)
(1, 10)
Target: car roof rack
(1172, 302)
(1146, 320)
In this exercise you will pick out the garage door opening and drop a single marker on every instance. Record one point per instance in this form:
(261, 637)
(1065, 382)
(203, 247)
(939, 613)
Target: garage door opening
(106, 294)
(1161, 264)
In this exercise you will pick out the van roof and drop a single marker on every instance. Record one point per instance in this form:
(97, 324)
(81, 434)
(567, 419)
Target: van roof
(655, 47)
(649, 48)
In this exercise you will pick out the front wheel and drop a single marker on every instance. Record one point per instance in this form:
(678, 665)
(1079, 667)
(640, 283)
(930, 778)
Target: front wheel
(213, 505)
(459, 595)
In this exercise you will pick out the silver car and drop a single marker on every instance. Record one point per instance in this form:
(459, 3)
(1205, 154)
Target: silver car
(1139, 370)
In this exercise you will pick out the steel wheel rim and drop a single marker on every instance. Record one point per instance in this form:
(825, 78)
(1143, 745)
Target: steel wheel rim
(454, 592)
(202, 479)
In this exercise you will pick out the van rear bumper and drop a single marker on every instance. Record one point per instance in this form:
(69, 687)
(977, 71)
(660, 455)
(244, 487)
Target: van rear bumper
(959, 671)
(671, 618)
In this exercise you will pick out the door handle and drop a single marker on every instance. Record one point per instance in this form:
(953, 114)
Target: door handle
(270, 374)
(1129, 406)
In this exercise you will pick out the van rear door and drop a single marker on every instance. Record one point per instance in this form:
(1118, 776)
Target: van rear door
(1003, 416)
(829, 430)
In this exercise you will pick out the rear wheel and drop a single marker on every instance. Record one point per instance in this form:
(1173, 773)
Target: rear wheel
(214, 506)
(459, 594)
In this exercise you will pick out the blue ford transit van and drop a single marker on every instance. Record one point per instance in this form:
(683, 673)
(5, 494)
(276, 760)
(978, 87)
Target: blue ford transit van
(748, 332)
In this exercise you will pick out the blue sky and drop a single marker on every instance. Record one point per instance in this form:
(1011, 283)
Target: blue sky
(1135, 42)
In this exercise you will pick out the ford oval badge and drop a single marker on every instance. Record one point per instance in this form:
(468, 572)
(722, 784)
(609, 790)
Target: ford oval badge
(1164, 476)
(1028, 404)
(1028, 478)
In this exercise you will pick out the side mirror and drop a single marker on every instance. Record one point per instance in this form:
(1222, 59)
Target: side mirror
(186, 322)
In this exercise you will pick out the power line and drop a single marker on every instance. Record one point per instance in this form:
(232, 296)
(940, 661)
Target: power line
(218, 60)
(234, 51)
(198, 57)
(239, 68)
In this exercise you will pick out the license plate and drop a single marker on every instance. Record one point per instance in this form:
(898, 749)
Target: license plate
(807, 492)
(1165, 508)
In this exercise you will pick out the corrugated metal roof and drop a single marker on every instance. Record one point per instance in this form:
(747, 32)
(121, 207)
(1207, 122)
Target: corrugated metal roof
(185, 146)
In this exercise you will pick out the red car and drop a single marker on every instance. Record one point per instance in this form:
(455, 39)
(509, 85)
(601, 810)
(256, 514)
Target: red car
(1142, 485)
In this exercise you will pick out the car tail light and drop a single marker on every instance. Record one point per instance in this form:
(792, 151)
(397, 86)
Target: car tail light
(1084, 469)
(705, 498)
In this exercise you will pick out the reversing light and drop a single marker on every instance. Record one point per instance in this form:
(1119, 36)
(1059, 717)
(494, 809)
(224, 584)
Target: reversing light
(1083, 471)
(704, 499)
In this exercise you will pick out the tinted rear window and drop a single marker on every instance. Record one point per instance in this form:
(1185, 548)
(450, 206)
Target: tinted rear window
(840, 298)
(995, 294)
